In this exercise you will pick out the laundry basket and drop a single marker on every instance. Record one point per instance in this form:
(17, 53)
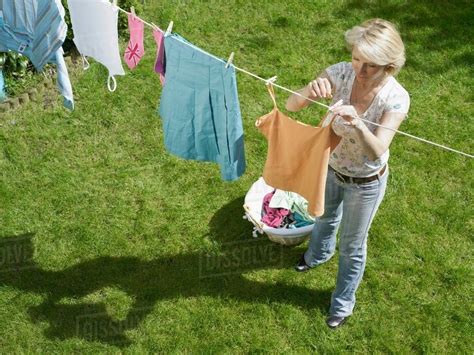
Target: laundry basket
(253, 212)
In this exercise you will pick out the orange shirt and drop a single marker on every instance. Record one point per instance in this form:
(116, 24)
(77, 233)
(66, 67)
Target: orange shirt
(298, 155)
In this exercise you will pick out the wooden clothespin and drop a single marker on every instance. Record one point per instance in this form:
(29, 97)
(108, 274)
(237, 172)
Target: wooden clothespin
(114, 2)
(169, 29)
(132, 11)
(271, 80)
(230, 60)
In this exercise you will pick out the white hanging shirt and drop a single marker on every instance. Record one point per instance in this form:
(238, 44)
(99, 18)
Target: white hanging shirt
(348, 157)
(94, 23)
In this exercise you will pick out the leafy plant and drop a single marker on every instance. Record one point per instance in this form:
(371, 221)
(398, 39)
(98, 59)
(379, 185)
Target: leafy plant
(18, 72)
(14, 64)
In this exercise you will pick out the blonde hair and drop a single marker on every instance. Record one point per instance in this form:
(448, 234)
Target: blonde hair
(378, 41)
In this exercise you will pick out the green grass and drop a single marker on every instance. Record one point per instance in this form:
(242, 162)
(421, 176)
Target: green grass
(120, 231)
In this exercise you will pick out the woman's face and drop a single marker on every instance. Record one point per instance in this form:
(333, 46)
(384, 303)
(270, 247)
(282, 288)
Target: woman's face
(365, 70)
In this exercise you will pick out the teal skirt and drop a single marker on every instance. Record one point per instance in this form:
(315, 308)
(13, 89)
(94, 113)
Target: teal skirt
(199, 107)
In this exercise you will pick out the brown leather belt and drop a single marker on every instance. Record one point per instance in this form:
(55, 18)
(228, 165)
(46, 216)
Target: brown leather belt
(359, 180)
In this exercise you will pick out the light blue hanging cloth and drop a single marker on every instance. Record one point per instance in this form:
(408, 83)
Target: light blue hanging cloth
(3, 95)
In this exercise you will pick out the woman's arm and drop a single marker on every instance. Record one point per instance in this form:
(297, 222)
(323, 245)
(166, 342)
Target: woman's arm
(374, 144)
(321, 87)
(377, 144)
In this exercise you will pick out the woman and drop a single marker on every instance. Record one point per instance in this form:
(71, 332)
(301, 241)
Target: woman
(358, 170)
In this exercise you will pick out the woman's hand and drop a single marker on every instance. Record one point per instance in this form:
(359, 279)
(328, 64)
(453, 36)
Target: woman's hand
(349, 114)
(319, 88)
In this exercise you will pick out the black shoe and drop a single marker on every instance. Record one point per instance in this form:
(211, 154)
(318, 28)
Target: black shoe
(333, 321)
(302, 266)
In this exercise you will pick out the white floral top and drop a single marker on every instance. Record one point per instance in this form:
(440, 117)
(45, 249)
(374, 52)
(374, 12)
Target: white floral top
(348, 157)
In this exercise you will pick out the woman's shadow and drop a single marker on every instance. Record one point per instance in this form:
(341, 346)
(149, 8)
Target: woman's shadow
(220, 273)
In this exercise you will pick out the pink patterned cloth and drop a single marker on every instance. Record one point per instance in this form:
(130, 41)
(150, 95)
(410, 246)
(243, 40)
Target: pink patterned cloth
(135, 50)
(160, 54)
(273, 217)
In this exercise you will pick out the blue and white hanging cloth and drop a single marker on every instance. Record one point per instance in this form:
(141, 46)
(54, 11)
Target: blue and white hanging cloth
(37, 29)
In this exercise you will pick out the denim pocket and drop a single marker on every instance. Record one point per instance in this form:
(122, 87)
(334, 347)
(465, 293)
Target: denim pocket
(375, 183)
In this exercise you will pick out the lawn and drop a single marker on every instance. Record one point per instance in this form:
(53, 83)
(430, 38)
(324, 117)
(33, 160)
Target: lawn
(109, 243)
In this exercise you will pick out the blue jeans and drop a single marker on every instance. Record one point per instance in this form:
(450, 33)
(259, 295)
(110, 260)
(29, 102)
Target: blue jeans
(353, 206)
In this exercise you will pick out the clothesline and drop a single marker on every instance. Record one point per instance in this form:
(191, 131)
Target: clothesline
(298, 94)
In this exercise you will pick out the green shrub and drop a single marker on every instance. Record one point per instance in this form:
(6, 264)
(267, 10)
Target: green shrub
(18, 71)
(14, 64)
(122, 20)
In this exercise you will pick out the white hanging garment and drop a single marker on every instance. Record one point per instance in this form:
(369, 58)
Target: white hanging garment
(94, 23)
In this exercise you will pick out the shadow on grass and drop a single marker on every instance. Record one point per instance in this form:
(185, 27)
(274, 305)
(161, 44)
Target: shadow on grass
(217, 274)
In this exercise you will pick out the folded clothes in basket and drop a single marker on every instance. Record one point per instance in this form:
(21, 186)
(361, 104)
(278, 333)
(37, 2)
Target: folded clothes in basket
(282, 209)
(293, 202)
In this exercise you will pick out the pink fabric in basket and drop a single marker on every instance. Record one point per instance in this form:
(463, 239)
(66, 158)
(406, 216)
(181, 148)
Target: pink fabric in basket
(273, 217)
